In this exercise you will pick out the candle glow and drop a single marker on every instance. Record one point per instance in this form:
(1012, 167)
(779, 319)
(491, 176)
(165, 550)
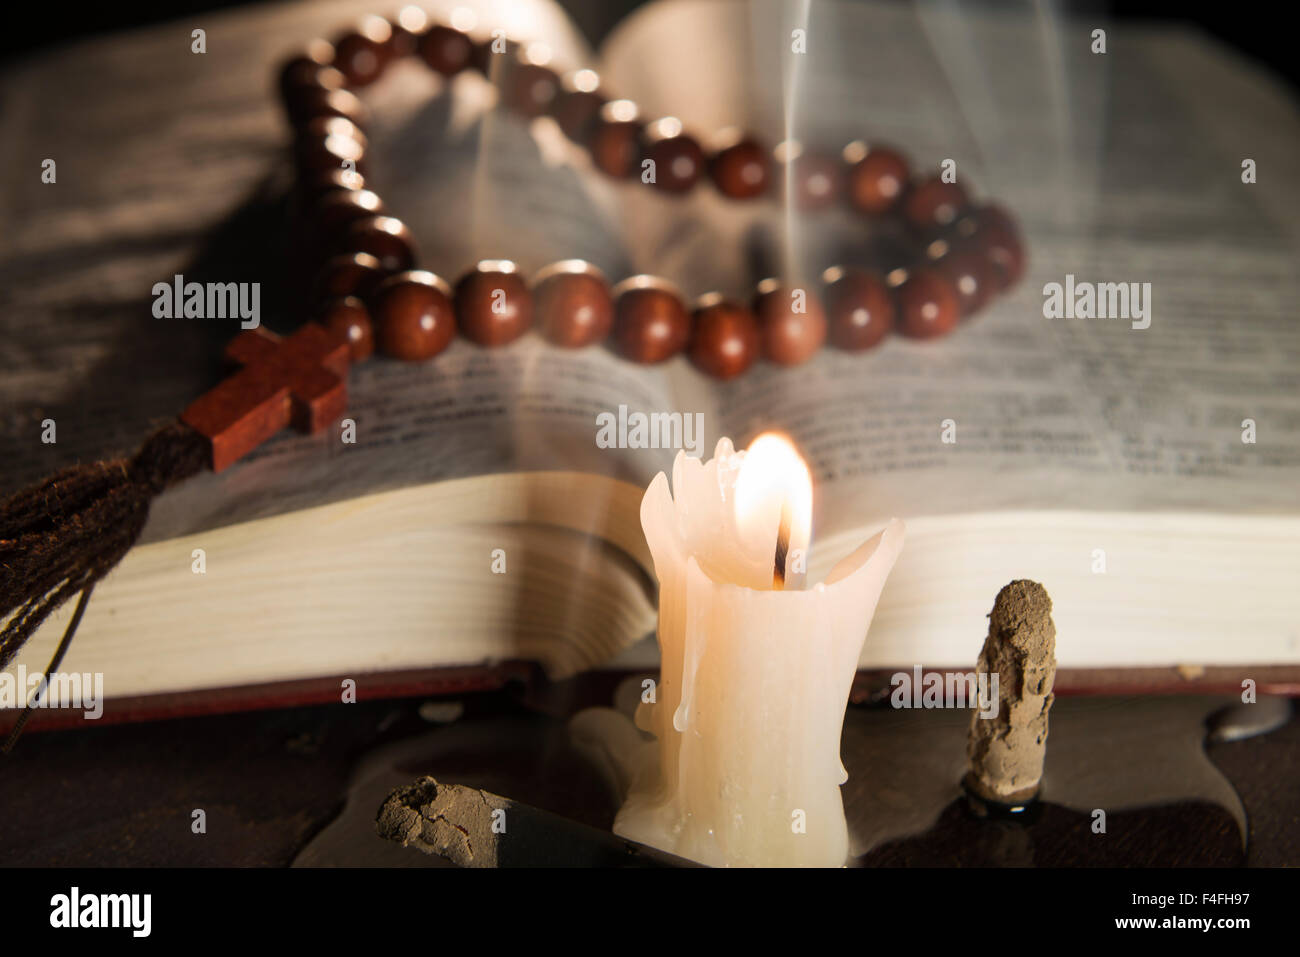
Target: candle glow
(748, 710)
(774, 490)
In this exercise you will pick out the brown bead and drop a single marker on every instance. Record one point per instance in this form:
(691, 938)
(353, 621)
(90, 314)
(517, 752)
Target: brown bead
(323, 229)
(413, 316)
(385, 238)
(363, 54)
(493, 304)
(323, 127)
(932, 203)
(337, 211)
(578, 105)
(678, 159)
(574, 305)
(446, 50)
(927, 305)
(314, 188)
(320, 101)
(408, 26)
(348, 274)
(877, 181)
(724, 340)
(615, 140)
(320, 154)
(531, 89)
(650, 322)
(972, 275)
(304, 79)
(859, 309)
(741, 170)
(349, 319)
(301, 69)
(998, 236)
(817, 179)
(791, 323)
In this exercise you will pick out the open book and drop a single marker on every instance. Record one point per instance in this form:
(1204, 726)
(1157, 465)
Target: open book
(477, 519)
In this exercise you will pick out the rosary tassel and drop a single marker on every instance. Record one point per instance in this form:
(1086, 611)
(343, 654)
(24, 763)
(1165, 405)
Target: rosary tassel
(59, 538)
(53, 667)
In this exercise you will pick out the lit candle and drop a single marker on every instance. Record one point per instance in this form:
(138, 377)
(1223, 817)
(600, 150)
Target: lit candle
(756, 670)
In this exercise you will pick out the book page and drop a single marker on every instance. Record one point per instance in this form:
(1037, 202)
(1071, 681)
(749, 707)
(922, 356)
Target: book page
(189, 176)
(1121, 167)
(472, 183)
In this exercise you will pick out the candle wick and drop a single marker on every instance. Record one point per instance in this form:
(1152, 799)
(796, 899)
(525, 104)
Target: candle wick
(782, 548)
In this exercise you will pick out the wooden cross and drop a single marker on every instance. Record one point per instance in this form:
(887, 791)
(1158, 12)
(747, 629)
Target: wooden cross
(299, 381)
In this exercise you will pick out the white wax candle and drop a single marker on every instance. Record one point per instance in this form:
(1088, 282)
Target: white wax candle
(745, 769)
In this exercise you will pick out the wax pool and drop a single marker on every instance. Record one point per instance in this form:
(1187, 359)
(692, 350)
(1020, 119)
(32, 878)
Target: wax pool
(745, 767)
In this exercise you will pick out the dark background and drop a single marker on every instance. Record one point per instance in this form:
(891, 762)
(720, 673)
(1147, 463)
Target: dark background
(1257, 30)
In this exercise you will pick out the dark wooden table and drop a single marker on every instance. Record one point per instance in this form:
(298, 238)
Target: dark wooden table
(270, 781)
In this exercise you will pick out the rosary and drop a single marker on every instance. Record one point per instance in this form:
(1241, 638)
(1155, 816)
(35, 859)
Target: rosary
(60, 537)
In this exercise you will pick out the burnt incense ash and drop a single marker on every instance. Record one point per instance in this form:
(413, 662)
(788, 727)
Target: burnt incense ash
(451, 821)
(1006, 751)
(474, 828)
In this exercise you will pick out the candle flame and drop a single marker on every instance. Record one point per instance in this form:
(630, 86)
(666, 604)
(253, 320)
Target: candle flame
(774, 496)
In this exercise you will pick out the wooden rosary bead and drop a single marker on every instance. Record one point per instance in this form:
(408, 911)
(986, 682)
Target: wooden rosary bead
(791, 322)
(323, 127)
(678, 159)
(319, 154)
(933, 203)
(362, 55)
(313, 189)
(573, 302)
(650, 322)
(578, 104)
(615, 140)
(334, 215)
(997, 235)
(446, 50)
(877, 180)
(493, 304)
(741, 170)
(301, 69)
(348, 274)
(319, 101)
(304, 80)
(413, 316)
(349, 319)
(385, 238)
(859, 308)
(972, 275)
(407, 28)
(531, 89)
(816, 179)
(724, 340)
(928, 305)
